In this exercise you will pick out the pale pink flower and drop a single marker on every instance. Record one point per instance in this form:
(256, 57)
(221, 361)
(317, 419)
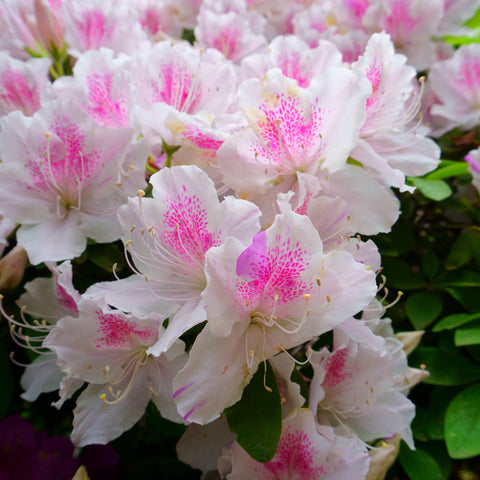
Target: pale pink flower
(278, 293)
(389, 147)
(356, 387)
(294, 58)
(412, 24)
(91, 24)
(305, 452)
(456, 13)
(108, 349)
(22, 84)
(168, 237)
(61, 178)
(456, 84)
(177, 78)
(293, 129)
(473, 159)
(100, 86)
(228, 27)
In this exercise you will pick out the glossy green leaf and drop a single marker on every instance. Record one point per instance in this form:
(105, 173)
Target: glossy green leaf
(430, 264)
(257, 417)
(434, 189)
(428, 423)
(419, 465)
(460, 278)
(462, 423)
(468, 297)
(446, 367)
(468, 335)
(423, 308)
(454, 321)
(452, 170)
(462, 250)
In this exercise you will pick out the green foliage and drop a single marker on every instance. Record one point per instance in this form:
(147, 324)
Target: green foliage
(257, 417)
(419, 465)
(462, 424)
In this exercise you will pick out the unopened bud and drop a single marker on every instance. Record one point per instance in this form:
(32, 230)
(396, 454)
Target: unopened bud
(12, 268)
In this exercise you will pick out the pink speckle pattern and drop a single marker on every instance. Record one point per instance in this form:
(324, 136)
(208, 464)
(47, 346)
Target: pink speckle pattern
(200, 139)
(336, 372)
(177, 87)
(93, 29)
(374, 74)
(185, 228)
(277, 271)
(65, 300)
(16, 93)
(303, 208)
(400, 23)
(62, 167)
(116, 331)
(291, 67)
(102, 106)
(291, 135)
(294, 459)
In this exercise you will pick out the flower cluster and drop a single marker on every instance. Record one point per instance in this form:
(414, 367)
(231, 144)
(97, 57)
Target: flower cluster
(243, 172)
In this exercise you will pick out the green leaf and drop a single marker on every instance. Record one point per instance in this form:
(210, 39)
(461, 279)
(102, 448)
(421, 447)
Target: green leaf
(105, 255)
(419, 465)
(462, 250)
(257, 417)
(401, 276)
(423, 308)
(468, 297)
(468, 335)
(454, 321)
(428, 423)
(462, 424)
(461, 278)
(430, 264)
(7, 381)
(452, 170)
(434, 189)
(446, 367)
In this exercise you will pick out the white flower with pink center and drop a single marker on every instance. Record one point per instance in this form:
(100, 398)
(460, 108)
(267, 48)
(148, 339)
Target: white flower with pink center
(357, 387)
(456, 85)
(167, 237)
(92, 24)
(61, 178)
(108, 349)
(294, 58)
(412, 24)
(278, 293)
(100, 85)
(304, 452)
(22, 84)
(293, 129)
(168, 79)
(391, 145)
(230, 28)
